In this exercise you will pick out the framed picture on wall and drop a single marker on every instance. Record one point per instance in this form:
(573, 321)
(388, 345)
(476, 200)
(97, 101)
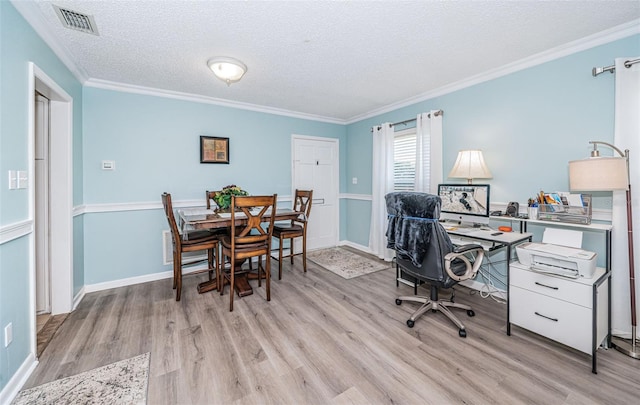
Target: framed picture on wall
(214, 150)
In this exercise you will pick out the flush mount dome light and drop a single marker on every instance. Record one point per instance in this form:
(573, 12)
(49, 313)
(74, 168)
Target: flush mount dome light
(229, 70)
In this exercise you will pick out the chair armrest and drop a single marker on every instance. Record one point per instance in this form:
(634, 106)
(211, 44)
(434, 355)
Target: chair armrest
(460, 253)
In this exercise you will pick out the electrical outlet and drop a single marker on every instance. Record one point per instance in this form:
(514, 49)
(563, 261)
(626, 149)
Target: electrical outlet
(354, 180)
(8, 334)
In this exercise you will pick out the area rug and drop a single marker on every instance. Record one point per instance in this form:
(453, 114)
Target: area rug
(123, 382)
(346, 264)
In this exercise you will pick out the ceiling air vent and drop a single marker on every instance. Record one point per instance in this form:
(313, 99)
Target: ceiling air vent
(76, 21)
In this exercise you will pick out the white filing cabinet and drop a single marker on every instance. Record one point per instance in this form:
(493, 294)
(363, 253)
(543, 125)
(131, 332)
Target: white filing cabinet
(574, 312)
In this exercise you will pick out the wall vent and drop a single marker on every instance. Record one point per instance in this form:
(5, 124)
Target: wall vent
(76, 21)
(167, 252)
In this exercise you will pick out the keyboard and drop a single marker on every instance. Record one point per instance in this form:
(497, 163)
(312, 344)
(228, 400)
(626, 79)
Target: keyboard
(460, 241)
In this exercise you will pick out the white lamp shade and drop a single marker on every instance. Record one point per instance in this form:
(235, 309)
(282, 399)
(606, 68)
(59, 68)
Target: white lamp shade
(470, 165)
(228, 70)
(598, 174)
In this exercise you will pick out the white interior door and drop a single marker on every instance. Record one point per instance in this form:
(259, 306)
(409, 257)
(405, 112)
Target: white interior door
(41, 214)
(315, 167)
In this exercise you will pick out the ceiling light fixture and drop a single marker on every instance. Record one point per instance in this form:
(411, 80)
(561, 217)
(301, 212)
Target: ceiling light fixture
(229, 70)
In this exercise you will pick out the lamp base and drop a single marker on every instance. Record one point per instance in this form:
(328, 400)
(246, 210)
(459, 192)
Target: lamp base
(626, 346)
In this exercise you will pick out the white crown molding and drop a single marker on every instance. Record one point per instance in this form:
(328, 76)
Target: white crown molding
(129, 88)
(15, 230)
(591, 41)
(31, 13)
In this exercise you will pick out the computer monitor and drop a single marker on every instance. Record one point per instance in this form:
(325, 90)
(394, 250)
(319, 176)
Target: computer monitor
(464, 203)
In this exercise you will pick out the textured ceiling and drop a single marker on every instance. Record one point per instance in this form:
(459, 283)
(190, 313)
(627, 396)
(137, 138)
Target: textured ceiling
(333, 60)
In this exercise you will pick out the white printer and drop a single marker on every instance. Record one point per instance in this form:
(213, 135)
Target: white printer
(559, 260)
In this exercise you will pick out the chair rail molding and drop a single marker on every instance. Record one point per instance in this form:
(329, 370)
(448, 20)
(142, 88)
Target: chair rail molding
(349, 196)
(15, 230)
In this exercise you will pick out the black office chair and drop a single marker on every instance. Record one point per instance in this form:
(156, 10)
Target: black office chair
(425, 252)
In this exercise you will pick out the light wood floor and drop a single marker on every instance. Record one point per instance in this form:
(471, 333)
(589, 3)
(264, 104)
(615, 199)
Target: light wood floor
(326, 340)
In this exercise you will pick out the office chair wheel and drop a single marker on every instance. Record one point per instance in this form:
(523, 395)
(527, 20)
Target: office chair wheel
(410, 323)
(398, 301)
(471, 313)
(462, 333)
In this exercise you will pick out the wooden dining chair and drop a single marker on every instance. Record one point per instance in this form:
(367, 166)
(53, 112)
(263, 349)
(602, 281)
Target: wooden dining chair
(209, 198)
(196, 241)
(248, 238)
(297, 228)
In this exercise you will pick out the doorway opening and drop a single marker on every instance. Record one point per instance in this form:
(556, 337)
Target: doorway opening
(50, 197)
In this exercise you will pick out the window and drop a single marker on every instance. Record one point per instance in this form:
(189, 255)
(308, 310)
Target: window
(404, 160)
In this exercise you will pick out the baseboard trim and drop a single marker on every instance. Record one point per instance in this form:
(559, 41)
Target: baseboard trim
(78, 298)
(123, 282)
(354, 245)
(18, 380)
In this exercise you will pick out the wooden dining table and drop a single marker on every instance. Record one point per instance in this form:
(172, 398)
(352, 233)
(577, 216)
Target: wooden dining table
(201, 218)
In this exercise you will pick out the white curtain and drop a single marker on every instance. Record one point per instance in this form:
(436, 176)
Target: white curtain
(627, 136)
(428, 151)
(382, 183)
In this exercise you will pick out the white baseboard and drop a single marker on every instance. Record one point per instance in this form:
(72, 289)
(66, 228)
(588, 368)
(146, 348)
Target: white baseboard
(354, 245)
(79, 296)
(18, 380)
(123, 282)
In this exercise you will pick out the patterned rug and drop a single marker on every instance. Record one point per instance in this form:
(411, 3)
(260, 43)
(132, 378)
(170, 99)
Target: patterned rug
(345, 263)
(123, 382)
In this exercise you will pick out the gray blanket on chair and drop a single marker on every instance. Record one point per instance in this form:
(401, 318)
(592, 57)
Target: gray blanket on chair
(412, 217)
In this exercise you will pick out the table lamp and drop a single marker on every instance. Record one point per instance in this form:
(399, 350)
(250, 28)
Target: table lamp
(608, 174)
(470, 165)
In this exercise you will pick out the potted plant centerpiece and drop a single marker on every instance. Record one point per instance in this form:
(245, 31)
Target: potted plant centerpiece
(223, 197)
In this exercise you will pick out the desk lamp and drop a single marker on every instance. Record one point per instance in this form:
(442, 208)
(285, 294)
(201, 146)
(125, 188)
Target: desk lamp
(609, 174)
(470, 165)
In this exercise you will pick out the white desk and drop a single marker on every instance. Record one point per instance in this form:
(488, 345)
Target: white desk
(490, 240)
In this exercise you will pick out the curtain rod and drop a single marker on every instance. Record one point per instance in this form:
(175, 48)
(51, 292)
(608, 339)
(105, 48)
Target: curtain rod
(596, 71)
(435, 114)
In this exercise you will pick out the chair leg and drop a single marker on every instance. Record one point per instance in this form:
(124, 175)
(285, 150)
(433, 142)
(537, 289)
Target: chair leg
(291, 250)
(304, 252)
(259, 271)
(210, 263)
(232, 287)
(175, 268)
(179, 276)
(268, 276)
(280, 242)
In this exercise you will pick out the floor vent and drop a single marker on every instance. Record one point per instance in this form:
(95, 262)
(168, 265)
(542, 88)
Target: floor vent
(77, 21)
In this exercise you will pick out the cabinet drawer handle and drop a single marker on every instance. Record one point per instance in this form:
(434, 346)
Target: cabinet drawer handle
(551, 319)
(548, 286)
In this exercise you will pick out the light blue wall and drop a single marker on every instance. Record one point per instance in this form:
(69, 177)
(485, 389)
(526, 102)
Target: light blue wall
(529, 124)
(19, 44)
(154, 142)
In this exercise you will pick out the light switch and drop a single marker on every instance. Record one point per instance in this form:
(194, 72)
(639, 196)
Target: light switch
(13, 179)
(108, 165)
(23, 180)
